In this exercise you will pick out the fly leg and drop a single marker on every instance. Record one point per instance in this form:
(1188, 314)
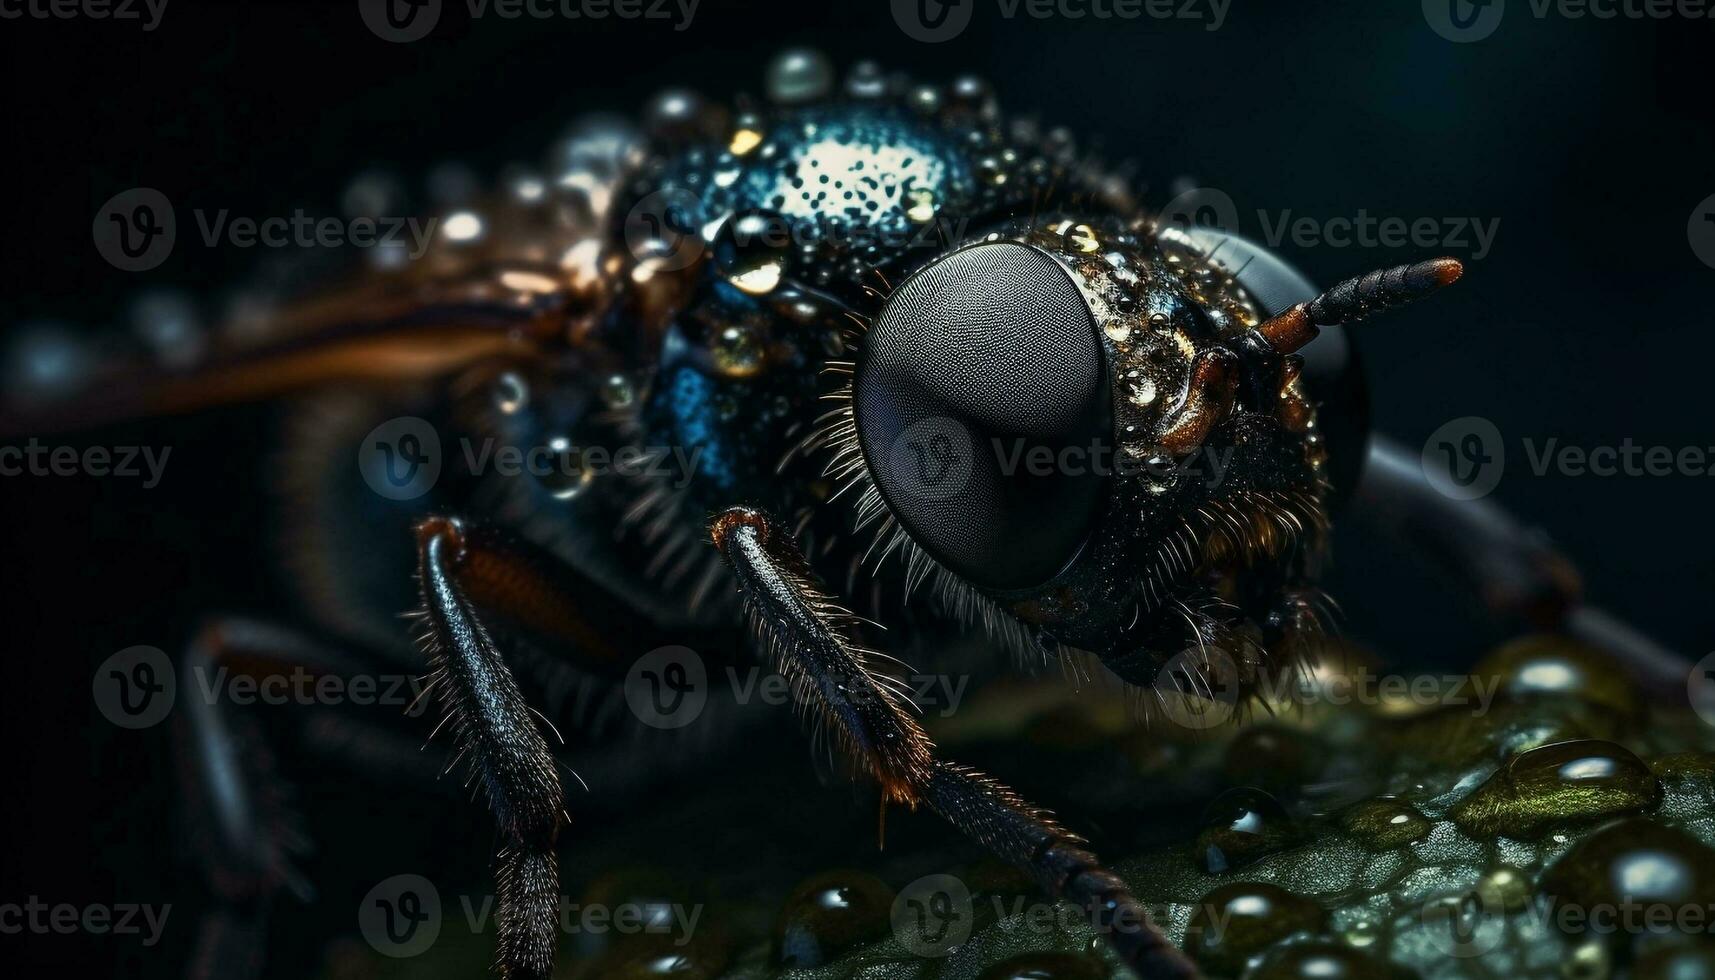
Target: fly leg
(232, 775)
(496, 734)
(1513, 570)
(812, 639)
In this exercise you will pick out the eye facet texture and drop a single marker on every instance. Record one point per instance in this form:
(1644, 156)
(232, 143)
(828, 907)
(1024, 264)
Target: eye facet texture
(982, 409)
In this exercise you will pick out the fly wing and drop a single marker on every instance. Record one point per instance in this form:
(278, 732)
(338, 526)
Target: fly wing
(506, 273)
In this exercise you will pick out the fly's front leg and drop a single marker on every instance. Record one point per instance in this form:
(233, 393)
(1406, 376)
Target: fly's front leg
(495, 734)
(812, 639)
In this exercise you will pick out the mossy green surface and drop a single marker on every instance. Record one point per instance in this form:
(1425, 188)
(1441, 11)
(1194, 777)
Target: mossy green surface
(1446, 841)
(1372, 834)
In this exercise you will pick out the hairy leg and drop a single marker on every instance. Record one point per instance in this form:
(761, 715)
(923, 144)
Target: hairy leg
(832, 677)
(507, 754)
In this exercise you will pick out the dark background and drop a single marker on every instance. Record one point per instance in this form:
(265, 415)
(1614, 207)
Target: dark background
(1591, 142)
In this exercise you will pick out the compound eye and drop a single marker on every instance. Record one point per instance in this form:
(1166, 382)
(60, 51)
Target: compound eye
(982, 410)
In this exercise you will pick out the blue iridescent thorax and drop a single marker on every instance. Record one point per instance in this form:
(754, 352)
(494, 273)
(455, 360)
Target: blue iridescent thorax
(853, 185)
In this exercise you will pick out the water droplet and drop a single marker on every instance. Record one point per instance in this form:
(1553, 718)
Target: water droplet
(1240, 826)
(47, 360)
(1589, 961)
(922, 205)
(680, 115)
(830, 913)
(1118, 331)
(799, 75)
(526, 186)
(1535, 791)
(866, 81)
(167, 322)
(1142, 392)
(599, 145)
(511, 393)
(566, 476)
(389, 256)
(752, 249)
(1082, 238)
(1362, 933)
(744, 139)
(1544, 666)
(1694, 962)
(1634, 864)
(462, 226)
(651, 956)
(737, 351)
(1235, 922)
(617, 392)
(1323, 961)
(971, 94)
(1503, 889)
(1386, 823)
(1046, 966)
